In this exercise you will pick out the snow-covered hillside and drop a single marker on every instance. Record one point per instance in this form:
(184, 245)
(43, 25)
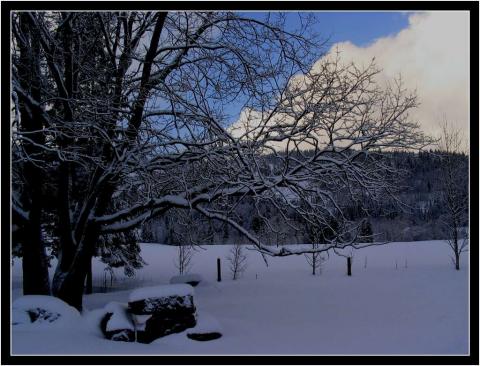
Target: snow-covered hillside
(403, 298)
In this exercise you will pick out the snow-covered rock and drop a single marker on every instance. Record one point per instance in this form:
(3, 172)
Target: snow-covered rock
(208, 328)
(43, 311)
(160, 291)
(162, 300)
(117, 323)
(192, 279)
(162, 310)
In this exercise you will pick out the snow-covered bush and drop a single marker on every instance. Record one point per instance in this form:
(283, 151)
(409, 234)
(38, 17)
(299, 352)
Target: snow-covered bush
(43, 311)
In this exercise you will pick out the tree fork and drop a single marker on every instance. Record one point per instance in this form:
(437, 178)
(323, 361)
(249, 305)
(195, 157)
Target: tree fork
(69, 285)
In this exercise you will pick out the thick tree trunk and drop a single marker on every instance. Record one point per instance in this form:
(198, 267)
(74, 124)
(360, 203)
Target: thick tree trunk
(89, 283)
(72, 270)
(69, 285)
(69, 281)
(457, 261)
(349, 266)
(34, 262)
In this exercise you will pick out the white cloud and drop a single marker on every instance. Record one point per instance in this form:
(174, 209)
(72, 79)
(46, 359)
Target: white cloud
(432, 56)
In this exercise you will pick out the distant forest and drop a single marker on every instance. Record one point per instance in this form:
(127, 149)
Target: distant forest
(416, 212)
(417, 215)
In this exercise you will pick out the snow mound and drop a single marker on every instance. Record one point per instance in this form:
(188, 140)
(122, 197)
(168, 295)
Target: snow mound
(40, 311)
(120, 318)
(192, 279)
(161, 291)
(207, 329)
(206, 323)
(91, 319)
(20, 317)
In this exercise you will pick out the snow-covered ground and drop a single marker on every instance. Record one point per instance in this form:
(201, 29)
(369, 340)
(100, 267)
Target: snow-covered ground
(408, 300)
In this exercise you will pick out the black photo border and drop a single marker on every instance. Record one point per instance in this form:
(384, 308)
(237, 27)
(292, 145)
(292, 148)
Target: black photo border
(471, 6)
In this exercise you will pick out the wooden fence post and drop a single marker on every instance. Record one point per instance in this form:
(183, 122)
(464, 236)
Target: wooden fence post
(219, 271)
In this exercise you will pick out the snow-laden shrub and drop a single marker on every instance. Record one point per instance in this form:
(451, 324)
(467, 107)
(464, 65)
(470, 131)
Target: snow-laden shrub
(43, 311)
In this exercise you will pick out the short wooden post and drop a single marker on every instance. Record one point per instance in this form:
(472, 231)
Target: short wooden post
(219, 271)
(349, 266)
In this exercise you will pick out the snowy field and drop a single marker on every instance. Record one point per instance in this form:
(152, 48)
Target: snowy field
(408, 300)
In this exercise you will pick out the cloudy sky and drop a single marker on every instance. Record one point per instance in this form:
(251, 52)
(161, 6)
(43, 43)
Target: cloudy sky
(429, 49)
(431, 52)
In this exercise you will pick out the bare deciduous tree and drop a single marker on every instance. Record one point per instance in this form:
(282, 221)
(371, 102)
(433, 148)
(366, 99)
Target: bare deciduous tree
(455, 190)
(129, 107)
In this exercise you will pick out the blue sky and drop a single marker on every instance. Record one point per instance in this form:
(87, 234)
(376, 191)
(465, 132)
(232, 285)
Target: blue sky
(360, 28)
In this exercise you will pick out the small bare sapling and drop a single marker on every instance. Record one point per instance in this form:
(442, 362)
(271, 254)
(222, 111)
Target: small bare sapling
(238, 260)
(183, 261)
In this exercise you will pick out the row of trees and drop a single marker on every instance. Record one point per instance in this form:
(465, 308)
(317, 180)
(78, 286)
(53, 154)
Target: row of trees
(119, 117)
